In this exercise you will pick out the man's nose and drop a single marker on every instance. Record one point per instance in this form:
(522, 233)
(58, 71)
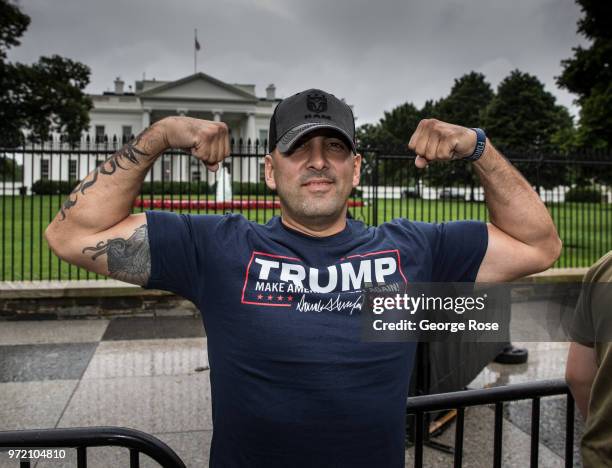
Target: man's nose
(317, 159)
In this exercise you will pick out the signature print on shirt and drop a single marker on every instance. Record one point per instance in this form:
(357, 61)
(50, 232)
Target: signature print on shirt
(282, 281)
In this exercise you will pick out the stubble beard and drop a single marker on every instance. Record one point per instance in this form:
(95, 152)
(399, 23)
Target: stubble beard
(327, 206)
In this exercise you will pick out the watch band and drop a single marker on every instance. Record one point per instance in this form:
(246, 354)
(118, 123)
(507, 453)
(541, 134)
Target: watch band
(481, 140)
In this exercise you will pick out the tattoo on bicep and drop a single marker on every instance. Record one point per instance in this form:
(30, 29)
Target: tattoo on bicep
(128, 259)
(129, 152)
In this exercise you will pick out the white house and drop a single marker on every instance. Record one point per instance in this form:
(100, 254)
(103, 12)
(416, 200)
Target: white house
(121, 114)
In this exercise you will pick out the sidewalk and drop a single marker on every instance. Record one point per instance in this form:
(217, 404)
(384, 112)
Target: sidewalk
(151, 374)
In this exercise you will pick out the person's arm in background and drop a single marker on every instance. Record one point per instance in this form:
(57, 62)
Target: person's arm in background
(94, 228)
(580, 372)
(522, 236)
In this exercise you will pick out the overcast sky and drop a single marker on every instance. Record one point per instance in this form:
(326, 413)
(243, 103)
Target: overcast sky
(375, 54)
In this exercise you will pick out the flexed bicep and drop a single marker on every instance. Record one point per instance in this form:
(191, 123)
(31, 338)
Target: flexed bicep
(508, 259)
(127, 259)
(121, 252)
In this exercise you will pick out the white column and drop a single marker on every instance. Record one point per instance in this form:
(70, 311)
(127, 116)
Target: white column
(180, 165)
(217, 117)
(156, 169)
(249, 168)
(27, 170)
(251, 134)
(146, 118)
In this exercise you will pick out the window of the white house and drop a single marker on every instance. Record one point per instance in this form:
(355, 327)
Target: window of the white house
(99, 133)
(72, 169)
(126, 132)
(44, 169)
(263, 135)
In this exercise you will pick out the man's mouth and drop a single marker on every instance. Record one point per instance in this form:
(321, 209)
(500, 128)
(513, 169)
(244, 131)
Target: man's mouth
(318, 182)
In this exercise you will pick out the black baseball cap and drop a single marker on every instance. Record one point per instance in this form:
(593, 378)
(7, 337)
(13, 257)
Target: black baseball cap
(306, 112)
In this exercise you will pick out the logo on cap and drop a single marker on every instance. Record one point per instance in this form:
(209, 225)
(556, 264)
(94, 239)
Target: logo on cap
(316, 102)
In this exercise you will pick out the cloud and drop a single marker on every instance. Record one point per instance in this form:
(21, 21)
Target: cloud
(375, 54)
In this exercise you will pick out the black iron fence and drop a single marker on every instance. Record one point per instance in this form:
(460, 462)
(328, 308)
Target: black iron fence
(29, 446)
(420, 405)
(36, 179)
(139, 442)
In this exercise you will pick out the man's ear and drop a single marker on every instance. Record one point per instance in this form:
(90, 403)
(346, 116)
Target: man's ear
(356, 169)
(269, 172)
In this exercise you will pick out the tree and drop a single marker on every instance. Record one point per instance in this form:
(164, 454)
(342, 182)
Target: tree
(469, 97)
(10, 170)
(393, 130)
(465, 106)
(41, 98)
(372, 136)
(524, 118)
(13, 24)
(589, 75)
(401, 122)
(391, 135)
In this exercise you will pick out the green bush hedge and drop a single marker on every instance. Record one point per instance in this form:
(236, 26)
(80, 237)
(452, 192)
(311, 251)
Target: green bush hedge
(583, 195)
(176, 188)
(185, 188)
(247, 188)
(53, 187)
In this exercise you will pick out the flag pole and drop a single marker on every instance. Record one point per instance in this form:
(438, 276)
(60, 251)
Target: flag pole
(195, 52)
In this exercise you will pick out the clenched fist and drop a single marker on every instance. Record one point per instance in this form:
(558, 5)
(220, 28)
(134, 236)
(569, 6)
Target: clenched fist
(206, 140)
(436, 140)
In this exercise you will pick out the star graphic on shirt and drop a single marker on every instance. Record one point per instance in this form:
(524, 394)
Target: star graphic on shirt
(259, 296)
(280, 298)
(270, 297)
(289, 298)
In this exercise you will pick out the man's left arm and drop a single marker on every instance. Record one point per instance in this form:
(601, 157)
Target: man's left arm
(522, 236)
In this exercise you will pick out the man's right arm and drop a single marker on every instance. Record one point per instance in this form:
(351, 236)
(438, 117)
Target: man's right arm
(94, 228)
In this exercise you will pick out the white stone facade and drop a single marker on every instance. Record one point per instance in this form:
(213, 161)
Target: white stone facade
(122, 114)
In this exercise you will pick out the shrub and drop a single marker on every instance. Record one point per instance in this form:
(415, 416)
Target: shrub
(247, 188)
(357, 193)
(53, 187)
(583, 195)
(175, 188)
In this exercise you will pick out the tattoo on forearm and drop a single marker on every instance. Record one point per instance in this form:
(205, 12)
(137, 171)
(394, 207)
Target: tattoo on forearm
(128, 259)
(129, 152)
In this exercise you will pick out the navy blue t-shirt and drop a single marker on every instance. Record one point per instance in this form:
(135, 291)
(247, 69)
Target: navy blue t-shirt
(292, 383)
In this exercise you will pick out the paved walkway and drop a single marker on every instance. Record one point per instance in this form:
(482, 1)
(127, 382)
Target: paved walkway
(151, 374)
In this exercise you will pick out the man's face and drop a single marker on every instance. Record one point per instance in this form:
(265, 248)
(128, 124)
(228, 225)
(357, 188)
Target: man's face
(316, 179)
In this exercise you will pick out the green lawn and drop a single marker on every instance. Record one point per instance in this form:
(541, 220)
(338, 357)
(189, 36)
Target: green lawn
(586, 230)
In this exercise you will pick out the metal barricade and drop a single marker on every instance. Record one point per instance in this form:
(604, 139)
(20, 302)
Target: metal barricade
(420, 405)
(80, 438)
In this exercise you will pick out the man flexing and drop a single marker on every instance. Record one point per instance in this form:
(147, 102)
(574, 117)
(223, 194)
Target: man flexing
(292, 383)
